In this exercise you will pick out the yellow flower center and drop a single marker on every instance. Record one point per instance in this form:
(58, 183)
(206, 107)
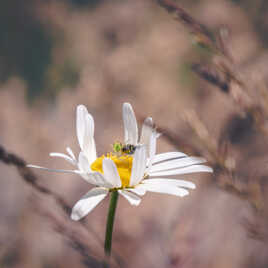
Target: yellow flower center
(123, 164)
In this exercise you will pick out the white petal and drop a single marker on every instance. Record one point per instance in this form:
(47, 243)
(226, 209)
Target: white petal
(130, 125)
(185, 170)
(64, 156)
(171, 182)
(158, 134)
(177, 163)
(70, 152)
(165, 189)
(137, 190)
(88, 202)
(101, 180)
(138, 166)
(146, 131)
(152, 148)
(110, 172)
(89, 147)
(133, 199)
(83, 163)
(81, 112)
(54, 170)
(90, 178)
(167, 156)
(95, 178)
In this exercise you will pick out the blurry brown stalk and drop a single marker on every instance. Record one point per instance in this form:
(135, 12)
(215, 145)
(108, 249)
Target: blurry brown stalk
(28, 177)
(194, 26)
(74, 237)
(223, 72)
(225, 75)
(224, 165)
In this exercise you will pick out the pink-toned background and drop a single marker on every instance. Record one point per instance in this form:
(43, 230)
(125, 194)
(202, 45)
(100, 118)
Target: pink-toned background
(101, 55)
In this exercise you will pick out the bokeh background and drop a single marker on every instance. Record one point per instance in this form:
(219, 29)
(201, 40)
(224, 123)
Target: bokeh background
(55, 55)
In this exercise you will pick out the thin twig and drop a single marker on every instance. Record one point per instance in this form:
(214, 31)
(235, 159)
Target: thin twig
(225, 75)
(28, 176)
(187, 19)
(73, 237)
(212, 75)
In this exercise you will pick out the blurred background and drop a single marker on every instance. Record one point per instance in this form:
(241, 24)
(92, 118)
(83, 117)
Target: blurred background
(55, 55)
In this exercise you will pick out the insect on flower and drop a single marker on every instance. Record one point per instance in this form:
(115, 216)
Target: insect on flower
(121, 149)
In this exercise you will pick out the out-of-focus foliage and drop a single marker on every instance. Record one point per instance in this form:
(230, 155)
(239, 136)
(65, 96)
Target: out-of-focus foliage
(25, 45)
(86, 3)
(101, 54)
(65, 74)
(257, 11)
(26, 51)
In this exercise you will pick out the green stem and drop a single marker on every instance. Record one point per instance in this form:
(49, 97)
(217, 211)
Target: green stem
(110, 224)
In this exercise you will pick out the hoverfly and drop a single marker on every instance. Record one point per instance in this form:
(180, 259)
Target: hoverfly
(119, 147)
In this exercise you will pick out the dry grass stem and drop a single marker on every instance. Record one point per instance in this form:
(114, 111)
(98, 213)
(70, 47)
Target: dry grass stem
(28, 176)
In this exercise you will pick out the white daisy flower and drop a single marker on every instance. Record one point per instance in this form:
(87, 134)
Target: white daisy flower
(132, 175)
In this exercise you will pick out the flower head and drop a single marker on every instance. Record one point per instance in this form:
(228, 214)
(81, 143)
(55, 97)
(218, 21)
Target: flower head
(131, 174)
